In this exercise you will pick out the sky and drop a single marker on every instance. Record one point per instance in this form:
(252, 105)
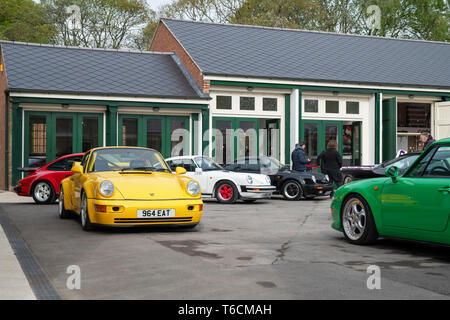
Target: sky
(154, 4)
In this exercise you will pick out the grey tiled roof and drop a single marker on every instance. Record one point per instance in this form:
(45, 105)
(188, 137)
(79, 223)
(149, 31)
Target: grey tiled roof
(304, 55)
(87, 71)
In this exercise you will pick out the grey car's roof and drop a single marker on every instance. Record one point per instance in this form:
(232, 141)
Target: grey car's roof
(44, 68)
(249, 51)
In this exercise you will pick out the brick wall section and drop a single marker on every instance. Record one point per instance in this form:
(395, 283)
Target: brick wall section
(164, 41)
(3, 87)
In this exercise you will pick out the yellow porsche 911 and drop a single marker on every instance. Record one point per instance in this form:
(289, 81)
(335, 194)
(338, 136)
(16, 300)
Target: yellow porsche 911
(129, 186)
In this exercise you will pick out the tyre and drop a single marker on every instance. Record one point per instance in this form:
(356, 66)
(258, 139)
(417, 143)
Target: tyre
(43, 192)
(348, 179)
(357, 221)
(63, 213)
(292, 190)
(226, 192)
(84, 214)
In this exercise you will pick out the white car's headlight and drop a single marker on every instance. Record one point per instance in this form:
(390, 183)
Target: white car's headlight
(250, 179)
(268, 180)
(106, 188)
(193, 188)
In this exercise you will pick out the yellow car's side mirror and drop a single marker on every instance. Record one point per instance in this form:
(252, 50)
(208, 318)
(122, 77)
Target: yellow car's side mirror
(180, 170)
(77, 168)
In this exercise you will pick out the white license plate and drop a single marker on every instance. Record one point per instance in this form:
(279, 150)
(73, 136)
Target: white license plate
(156, 213)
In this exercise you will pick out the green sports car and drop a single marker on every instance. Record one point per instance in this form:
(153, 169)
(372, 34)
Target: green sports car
(414, 206)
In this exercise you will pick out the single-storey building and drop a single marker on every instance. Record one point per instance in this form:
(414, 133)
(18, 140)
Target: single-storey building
(373, 95)
(59, 100)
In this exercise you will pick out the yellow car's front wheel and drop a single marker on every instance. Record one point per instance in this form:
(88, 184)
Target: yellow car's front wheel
(84, 214)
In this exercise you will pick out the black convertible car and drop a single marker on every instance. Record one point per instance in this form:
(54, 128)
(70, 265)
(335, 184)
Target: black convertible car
(403, 162)
(291, 184)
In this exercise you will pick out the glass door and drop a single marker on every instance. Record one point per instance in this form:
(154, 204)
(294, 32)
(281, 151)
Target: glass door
(317, 134)
(50, 135)
(167, 134)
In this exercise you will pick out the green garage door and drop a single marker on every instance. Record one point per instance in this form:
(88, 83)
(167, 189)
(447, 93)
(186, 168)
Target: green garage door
(389, 128)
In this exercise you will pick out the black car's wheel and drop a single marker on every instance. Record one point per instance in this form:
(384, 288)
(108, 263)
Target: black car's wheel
(292, 190)
(43, 192)
(63, 213)
(348, 179)
(84, 214)
(357, 221)
(226, 192)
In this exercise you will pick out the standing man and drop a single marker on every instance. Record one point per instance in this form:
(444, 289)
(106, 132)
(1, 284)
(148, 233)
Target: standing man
(331, 163)
(426, 139)
(299, 160)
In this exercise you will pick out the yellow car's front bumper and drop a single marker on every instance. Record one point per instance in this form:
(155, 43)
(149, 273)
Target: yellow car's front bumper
(125, 213)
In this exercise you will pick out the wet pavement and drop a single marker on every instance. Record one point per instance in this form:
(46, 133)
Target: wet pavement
(272, 249)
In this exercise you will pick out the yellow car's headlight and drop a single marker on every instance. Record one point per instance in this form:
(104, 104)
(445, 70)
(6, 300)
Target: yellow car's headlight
(193, 188)
(106, 188)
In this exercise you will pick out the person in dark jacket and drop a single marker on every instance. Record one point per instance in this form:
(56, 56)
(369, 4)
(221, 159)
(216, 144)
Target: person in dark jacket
(426, 139)
(299, 160)
(331, 163)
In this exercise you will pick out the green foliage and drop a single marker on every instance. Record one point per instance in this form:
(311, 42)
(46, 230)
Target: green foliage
(412, 19)
(101, 23)
(24, 20)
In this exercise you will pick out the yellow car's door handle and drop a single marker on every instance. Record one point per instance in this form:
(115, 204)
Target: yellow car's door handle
(445, 190)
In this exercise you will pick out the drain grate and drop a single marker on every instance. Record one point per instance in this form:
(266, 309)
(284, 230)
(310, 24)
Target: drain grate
(41, 286)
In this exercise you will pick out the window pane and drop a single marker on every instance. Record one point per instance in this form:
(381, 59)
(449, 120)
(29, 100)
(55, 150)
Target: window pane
(332, 106)
(311, 140)
(38, 136)
(223, 102)
(417, 171)
(270, 104)
(352, 107)
(130, 132)
(223, 142)
(247, 103)
(90, 133)
(439, 164)
(64, 132)
(154, 134)
(311, 106)
(178, 138)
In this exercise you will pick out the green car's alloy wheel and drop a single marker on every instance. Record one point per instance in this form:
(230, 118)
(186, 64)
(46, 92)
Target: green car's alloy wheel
(357, 221)
(85, 221)
(292, 190)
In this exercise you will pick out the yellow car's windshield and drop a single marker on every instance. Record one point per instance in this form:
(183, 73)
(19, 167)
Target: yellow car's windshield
(127, 159)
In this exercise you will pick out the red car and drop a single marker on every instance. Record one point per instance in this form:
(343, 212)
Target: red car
(43, 183)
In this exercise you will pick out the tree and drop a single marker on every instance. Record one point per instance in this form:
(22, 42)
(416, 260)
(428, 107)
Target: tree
(202, 10)
(302, 14)
(97, 23)
(24, 20)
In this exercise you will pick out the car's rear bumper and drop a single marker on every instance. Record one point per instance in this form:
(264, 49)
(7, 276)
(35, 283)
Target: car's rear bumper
(257, 192)
(124, 213)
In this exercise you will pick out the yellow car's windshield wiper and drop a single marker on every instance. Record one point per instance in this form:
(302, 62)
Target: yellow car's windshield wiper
(139, 169)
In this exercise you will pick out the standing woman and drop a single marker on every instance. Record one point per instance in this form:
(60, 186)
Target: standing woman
(331, 163)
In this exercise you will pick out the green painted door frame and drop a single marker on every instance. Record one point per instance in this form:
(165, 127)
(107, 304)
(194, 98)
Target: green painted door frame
(389, 129)
(142, 130)
(235, 124)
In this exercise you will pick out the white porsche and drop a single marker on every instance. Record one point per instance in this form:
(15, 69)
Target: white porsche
(225, 186)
